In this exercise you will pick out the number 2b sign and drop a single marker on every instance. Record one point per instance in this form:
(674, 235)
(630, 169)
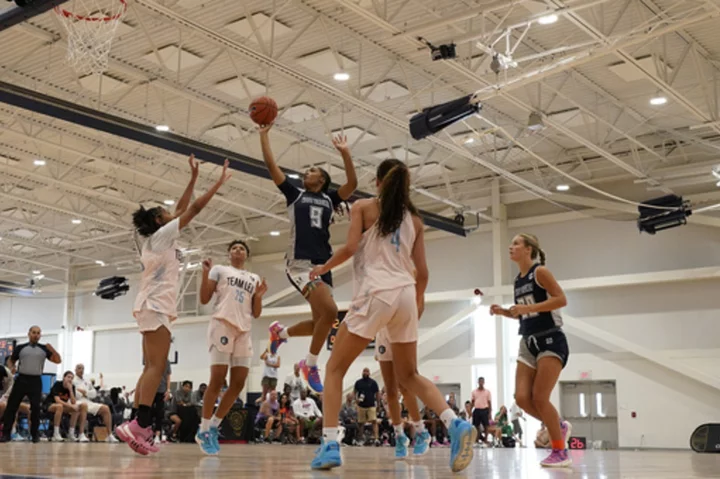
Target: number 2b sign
(334, 330)
(577, 443)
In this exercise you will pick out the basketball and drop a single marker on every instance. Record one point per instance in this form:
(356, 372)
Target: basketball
(263, 110)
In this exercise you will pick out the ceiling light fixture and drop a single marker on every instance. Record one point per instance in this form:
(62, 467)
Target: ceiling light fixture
(658, 100)
(162, 128)
(36, 271)
(169, 202)
(469, 140)
(548, 19)
(76, 221)
(294, 176)
(101, 263)
(39, 163)
(562, 187)
(341, 76)
(274, 233)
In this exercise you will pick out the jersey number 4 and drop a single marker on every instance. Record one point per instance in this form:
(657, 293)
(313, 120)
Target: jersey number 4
(395, 240)
(316, 216)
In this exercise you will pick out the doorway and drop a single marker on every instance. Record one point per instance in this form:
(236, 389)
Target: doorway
(591, 407)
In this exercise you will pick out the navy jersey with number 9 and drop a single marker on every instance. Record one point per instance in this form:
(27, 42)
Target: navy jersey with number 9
(310, 217)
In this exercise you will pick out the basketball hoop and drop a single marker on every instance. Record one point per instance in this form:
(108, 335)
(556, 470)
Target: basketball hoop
(90, 26)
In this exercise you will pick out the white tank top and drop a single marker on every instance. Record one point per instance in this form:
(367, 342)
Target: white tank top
(160, 257)
(233, 295)
(384, 263)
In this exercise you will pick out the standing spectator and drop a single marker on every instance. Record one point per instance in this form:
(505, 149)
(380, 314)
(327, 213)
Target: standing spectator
(482, 404)
(61, 400)
(515, 415)
(31, 357)
(296, 383)
(307, 413)
(270, 374)
(368, 394)
(85, 393)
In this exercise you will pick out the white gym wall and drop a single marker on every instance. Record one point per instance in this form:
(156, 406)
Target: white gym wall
(642, 311)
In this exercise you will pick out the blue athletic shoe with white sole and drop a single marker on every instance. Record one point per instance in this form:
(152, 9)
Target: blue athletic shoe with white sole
(205, 442)
(422, 443)
(462, 438)
(214, 437)
(401, 446)
(328, 456)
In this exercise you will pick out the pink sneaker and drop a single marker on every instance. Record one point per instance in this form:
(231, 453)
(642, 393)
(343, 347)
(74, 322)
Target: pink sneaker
(435, 443)
(566, 429)
(557, 458)
(139, 439)
(275, 339)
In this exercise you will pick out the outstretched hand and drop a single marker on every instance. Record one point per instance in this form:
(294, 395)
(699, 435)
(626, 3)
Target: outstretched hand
(340, 143)
(225, 173)
(207, 264)
(263, 129)
(262, 288)
(194, 166)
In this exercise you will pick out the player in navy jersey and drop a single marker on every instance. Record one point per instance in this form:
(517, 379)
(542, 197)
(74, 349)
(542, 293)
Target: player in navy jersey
(543, 348)
(311, 211)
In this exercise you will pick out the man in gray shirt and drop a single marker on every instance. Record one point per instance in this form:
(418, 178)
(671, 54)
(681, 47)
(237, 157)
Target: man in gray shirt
(30, 361)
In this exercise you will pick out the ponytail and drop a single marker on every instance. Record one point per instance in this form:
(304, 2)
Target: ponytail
(145, 221)
(394, 197)
(537, 252)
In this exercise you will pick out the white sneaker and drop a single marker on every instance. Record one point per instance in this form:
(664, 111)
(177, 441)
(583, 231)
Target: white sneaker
(57, 437)
(111, 439)
(157, 441)
(83, 438)
(72, 437)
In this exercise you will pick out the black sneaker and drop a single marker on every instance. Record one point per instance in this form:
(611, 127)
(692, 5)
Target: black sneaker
(36, 439)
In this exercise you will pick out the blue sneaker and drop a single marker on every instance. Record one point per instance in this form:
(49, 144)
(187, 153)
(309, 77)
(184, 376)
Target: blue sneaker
(401, 445)
(422, 443)
(312, 376)
(206, 444)
(462, 438)
(328, 456)
(214, 435)
(15, 437)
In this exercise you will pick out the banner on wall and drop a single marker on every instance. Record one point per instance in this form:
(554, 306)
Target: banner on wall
(334, 330)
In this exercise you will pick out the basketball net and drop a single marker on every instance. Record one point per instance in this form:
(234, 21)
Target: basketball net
(91, 27)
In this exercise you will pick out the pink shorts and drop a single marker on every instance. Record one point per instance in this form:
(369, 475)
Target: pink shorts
(394, 310)
(229, 346)
(383, 350)
(149, 320)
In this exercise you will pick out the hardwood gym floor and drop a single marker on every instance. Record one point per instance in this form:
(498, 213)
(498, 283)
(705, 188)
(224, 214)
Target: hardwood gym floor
(48, 460)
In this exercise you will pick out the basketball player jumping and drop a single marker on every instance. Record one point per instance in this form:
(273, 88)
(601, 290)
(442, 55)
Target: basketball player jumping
(543, 348)
(238, 300)
(155, 305)
(385, 238)
(311, 210)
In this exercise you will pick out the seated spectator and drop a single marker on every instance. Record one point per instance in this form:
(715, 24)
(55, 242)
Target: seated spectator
(287, 416)
(197, 397)
(296, 383)
(61, 400)
(348, 420)
(434, 426)
(308, 414)
(7, 374)
(85, 394)
(183, 398)
(542, 440)
(452, 402)
(269, 417)
(467, 411)
(500, 426)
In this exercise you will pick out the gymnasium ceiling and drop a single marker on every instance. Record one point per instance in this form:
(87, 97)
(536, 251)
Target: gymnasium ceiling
(194, 65)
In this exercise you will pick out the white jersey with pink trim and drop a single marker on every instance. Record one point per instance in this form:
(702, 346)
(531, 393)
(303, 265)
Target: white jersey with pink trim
(233, 295)
(384, 263)
(160, 257)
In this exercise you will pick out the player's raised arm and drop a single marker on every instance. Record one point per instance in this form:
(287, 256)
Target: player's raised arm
(346, 190)
(276, 173)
